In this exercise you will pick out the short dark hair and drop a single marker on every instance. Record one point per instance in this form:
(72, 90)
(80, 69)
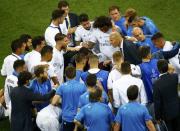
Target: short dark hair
(102, 21)
(125, 67)
(18, 63)
(37, 41)
(162, 66)
(57, 14)
(157, 36)
(134, 18)
(59, 36)
(24, 38)
(39, 70)
(46, 49)
(132, 92)
(95, 95)
(113, 7)
(79, 58)
(23, 77)
(84, 51)
(144, 51)
(70, 72)
(83, 17)
(16, 44)
(91, 80)
(62, 3)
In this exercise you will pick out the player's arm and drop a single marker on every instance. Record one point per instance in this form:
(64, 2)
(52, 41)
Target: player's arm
(71, 30)
(56, 100)
(110, 95)
(150, 125)
(117, 126)
(77, 124)
(55, 80)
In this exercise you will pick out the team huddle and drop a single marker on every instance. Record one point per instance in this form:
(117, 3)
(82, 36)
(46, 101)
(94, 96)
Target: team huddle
(114, 73)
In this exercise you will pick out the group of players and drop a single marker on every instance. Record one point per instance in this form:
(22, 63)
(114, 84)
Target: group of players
(91, 75)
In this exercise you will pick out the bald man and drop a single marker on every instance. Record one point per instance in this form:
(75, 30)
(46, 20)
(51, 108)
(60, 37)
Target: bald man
(128, 49)
(143, 40)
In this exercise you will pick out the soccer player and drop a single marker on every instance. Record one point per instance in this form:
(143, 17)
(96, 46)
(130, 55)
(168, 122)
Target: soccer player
(95, 115)
(143, 40)
(129, 14)
(133, 116)
(57, 17)
(18, 48)
(83, 32)
(160, 42)
(58, 58)
(146, 24)
(68, 93)
(101, 75)
(117, 18)
(149, 71)
(46, 57)
(34, 57)
(11, 80)
(121, 85)
(116, 74)
(80, 64)
(91, 83)
(27, 39)
(41, 84)
(100, 36)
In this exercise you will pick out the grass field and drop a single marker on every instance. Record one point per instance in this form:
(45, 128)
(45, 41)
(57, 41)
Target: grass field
(33, 16)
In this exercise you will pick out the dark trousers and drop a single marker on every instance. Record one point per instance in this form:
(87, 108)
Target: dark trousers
(67, 126)
(173, 125)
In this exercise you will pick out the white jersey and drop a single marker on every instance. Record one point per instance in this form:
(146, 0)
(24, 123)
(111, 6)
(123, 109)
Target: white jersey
(175, 61)
(32, 59)
(7, 67)
(47, 118)
(120, 90)
(82, 34)
(58, 63)
(102, 39)
(10, 83)
(50, 33)
(115, 75)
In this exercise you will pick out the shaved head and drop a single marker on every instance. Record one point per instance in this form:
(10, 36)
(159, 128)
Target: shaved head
(115, 39)
(136, 29)
(138, 33)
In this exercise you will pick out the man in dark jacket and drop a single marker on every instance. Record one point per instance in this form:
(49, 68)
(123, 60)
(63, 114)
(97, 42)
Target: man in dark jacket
(21, 100)
(127, 48)
(166, 100)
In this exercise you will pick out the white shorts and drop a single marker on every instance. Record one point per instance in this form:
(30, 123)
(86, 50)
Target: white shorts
(47, 123)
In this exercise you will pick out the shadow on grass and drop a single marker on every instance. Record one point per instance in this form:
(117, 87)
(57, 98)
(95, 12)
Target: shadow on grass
(4, 125)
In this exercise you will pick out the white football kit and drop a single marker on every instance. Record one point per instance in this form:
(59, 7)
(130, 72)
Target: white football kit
(58, 63)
